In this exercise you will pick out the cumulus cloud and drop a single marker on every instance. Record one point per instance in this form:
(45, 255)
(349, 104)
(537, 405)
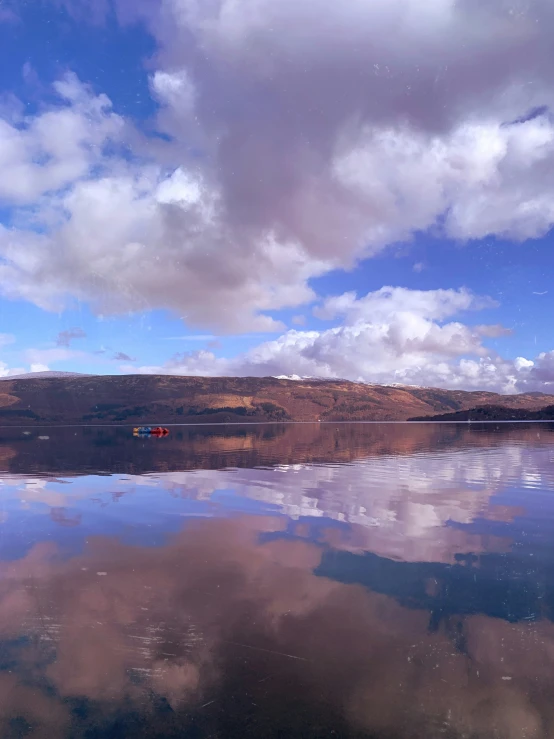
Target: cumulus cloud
(7, 371)
(159, 245)
(58, 146)
(398, 301)
(296, 139)
(389, 335)
(539, 374)
(329, 118)
(322, 121)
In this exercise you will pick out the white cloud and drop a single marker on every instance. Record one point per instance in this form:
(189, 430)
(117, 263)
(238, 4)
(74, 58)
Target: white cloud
(55, 148)
(300, 137)
(522, 363)
(140, 240)
(390, 335)
(6, 371)
(174, 89)
(45, 357)
(433, 304)
(39, 360)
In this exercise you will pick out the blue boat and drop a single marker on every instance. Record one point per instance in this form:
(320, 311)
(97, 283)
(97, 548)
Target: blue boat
(142, 431)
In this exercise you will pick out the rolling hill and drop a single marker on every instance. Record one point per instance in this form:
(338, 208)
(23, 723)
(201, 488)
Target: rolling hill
(493, 413)
(164, 399)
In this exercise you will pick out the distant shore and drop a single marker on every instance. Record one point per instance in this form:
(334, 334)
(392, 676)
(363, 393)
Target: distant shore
(161, 399)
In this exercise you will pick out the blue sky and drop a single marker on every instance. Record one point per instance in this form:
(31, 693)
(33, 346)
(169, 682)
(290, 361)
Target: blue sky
(184, 190)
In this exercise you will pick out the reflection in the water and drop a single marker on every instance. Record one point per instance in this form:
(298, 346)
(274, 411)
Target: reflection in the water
(79, 451)
(214, 620)
(392, 587)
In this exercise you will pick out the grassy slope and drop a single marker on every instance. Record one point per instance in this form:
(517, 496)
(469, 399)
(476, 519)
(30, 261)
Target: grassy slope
(135, 399)
(494, 413)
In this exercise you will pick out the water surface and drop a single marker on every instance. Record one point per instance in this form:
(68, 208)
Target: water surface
(311, 580)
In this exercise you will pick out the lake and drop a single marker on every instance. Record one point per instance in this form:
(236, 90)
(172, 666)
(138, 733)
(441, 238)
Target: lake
(302, 580)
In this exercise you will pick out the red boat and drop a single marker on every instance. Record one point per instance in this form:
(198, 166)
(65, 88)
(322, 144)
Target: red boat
(159, 431)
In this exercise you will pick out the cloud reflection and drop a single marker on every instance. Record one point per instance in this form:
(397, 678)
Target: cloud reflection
(409, 498)
(399, 507)
(222, 634)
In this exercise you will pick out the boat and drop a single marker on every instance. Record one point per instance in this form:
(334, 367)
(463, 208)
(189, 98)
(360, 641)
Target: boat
(150, 431)
(159, 431)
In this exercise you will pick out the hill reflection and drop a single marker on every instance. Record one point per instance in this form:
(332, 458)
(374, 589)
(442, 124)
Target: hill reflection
(114, 450)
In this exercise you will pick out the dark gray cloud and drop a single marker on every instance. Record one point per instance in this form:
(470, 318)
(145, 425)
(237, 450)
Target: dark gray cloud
(65, 338)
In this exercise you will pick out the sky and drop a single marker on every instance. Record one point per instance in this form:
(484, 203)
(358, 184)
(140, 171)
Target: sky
(361, 190)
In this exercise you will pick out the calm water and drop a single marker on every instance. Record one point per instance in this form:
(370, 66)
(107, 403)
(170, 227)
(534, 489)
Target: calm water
(278, 581)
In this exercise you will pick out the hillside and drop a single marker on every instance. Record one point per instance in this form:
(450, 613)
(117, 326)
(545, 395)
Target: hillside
(493, 413)
(135, 399)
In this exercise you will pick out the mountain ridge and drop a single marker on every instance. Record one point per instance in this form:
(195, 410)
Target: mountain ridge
(165, 399)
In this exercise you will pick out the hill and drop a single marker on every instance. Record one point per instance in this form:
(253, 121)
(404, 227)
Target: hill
(163, 399)
(43, 375)
(493, 413)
